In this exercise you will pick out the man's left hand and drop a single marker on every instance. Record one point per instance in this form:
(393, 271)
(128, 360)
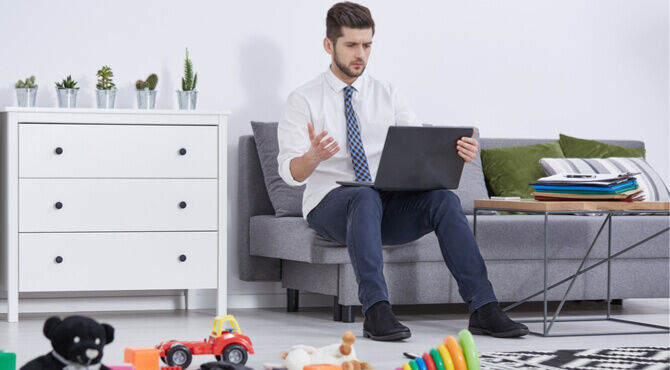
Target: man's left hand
(467, 148)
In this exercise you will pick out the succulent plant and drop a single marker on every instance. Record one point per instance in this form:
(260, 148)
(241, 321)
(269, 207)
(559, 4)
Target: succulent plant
(105, 78)
(68, 83)
(189, 80)
(29, 83)
(150, 83)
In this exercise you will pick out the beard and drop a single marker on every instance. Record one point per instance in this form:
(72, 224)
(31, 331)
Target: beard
(345, 69)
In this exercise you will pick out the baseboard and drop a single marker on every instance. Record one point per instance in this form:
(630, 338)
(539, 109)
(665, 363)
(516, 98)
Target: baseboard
(79, 302)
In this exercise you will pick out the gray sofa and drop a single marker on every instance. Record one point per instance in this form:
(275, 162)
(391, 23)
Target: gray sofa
(285, 249)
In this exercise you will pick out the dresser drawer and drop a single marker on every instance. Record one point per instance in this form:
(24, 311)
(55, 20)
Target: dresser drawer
(55, 150)
(117, 261)
(66, 205)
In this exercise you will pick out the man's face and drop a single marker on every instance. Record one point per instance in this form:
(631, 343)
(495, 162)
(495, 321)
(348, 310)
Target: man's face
(352, 50)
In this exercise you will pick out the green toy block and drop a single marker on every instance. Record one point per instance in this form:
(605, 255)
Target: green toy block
(7, 361)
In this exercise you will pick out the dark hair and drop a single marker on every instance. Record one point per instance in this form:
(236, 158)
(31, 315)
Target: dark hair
(350, 15)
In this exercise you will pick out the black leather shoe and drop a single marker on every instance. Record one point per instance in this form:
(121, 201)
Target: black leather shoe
(490, 319)
(381, 324)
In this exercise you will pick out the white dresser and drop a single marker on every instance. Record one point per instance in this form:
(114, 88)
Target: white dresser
(112, 200)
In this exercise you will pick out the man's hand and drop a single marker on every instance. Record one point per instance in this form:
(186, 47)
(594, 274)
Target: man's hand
(321, 149)
(467, 148)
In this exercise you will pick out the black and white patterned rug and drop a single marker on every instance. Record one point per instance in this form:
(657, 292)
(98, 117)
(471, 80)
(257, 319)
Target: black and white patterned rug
(630, 358)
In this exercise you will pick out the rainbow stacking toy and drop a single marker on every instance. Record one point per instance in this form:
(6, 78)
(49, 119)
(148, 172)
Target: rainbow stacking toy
(454, 354)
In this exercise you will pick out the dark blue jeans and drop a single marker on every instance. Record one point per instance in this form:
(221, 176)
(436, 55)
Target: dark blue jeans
(363, 219)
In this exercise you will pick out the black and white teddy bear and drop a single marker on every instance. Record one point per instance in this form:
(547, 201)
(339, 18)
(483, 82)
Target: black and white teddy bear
(77, 343)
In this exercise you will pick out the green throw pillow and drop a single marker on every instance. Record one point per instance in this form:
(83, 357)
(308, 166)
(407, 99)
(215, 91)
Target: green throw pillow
(510, 170)
(581, 148)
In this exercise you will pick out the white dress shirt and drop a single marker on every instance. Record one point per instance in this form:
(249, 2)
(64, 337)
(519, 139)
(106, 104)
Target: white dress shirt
(321, 102)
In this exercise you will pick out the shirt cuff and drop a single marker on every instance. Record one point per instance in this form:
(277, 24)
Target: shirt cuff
(285, 172)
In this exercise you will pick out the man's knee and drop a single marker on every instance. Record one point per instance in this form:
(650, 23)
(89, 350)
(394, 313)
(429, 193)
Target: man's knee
(446, 199)
(364, 197)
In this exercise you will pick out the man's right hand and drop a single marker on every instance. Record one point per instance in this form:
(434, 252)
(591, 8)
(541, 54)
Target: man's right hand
(321, 149)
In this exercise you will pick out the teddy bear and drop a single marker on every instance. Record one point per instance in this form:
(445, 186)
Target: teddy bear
(335, 354)
(77, 343)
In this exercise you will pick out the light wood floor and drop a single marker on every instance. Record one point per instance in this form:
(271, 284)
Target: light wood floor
(274, 330)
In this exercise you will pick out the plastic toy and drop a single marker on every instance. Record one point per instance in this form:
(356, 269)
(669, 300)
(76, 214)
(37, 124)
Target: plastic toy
(222, 365)
(226, 342)
(141, 358)
(301, 357)
(7, 361)
(454, 354)
(76, 341)
(122, 367)
(170, 367)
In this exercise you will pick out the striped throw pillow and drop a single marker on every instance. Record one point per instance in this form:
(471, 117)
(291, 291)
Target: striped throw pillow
(649, 181)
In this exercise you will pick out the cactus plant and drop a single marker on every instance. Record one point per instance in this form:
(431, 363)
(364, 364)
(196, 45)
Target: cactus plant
(189, 80)
(105, 75)
(150, 83)
(68, 83)
(29, 83)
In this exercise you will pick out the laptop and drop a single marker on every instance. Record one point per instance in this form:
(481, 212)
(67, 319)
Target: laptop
(419, 159)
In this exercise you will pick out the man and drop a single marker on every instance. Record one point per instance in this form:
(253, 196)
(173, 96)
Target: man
(343, 106)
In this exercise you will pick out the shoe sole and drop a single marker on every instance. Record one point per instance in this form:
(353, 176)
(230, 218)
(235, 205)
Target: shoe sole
(520, 332)
(388, 338)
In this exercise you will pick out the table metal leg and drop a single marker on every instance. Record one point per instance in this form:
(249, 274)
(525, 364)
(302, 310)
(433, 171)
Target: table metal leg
(546, 268)
(609, 267)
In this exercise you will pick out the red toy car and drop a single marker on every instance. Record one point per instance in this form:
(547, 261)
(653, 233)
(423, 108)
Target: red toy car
(226, 343)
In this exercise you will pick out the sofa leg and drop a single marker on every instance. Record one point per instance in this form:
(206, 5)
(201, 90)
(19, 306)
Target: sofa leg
(292, 300)
(348, 314)
(337, 309)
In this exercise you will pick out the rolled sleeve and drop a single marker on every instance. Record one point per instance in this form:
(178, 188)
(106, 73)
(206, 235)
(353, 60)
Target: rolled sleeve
(293, 136)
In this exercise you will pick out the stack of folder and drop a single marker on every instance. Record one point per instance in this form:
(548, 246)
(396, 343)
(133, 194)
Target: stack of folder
(582, 187)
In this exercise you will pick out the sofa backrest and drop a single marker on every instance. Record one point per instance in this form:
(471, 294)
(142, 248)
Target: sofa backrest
(254, 200)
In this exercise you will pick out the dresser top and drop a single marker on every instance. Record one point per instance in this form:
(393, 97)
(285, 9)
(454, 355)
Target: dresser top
(114, 111)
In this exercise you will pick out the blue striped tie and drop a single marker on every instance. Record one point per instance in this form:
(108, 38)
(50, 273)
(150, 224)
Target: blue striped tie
(354, 142)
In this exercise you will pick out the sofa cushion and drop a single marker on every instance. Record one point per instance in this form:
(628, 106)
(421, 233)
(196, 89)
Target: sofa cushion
(286, 200)
(650, 182)
(509, 171)
(500, 237)
(581, 148)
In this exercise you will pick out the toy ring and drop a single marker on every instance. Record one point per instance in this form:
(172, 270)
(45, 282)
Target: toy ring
(469, 349)
(456, 353)
(406, 366)
(430, 364)
(437, 359)
(446, 357)
(413, 365)
(421, 363)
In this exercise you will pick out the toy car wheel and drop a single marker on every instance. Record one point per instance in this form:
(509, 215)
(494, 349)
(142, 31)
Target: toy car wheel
(235, 354)
(179, 355)
(164, 359)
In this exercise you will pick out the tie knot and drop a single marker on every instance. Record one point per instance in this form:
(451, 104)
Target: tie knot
(348, 90)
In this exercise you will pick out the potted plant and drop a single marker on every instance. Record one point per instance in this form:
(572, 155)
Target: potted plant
(146, 93)
(67, 92)
(188, 95)
(26, 92)
(106, 90)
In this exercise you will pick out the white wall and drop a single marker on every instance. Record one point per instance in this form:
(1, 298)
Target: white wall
(515, 68)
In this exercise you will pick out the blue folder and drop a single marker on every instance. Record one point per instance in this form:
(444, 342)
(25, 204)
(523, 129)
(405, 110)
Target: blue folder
(630, 185)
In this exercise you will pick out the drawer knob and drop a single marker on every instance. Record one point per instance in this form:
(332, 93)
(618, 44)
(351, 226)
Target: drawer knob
(182, 151)
(58, 205)
(182, 205)
(182, 258)
(59, 150)
(59, 259)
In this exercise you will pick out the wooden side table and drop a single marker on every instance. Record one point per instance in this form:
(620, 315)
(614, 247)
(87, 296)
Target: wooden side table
(610, 209)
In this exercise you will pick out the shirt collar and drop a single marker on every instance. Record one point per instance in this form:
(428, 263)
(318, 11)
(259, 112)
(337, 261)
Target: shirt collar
(338, 85)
